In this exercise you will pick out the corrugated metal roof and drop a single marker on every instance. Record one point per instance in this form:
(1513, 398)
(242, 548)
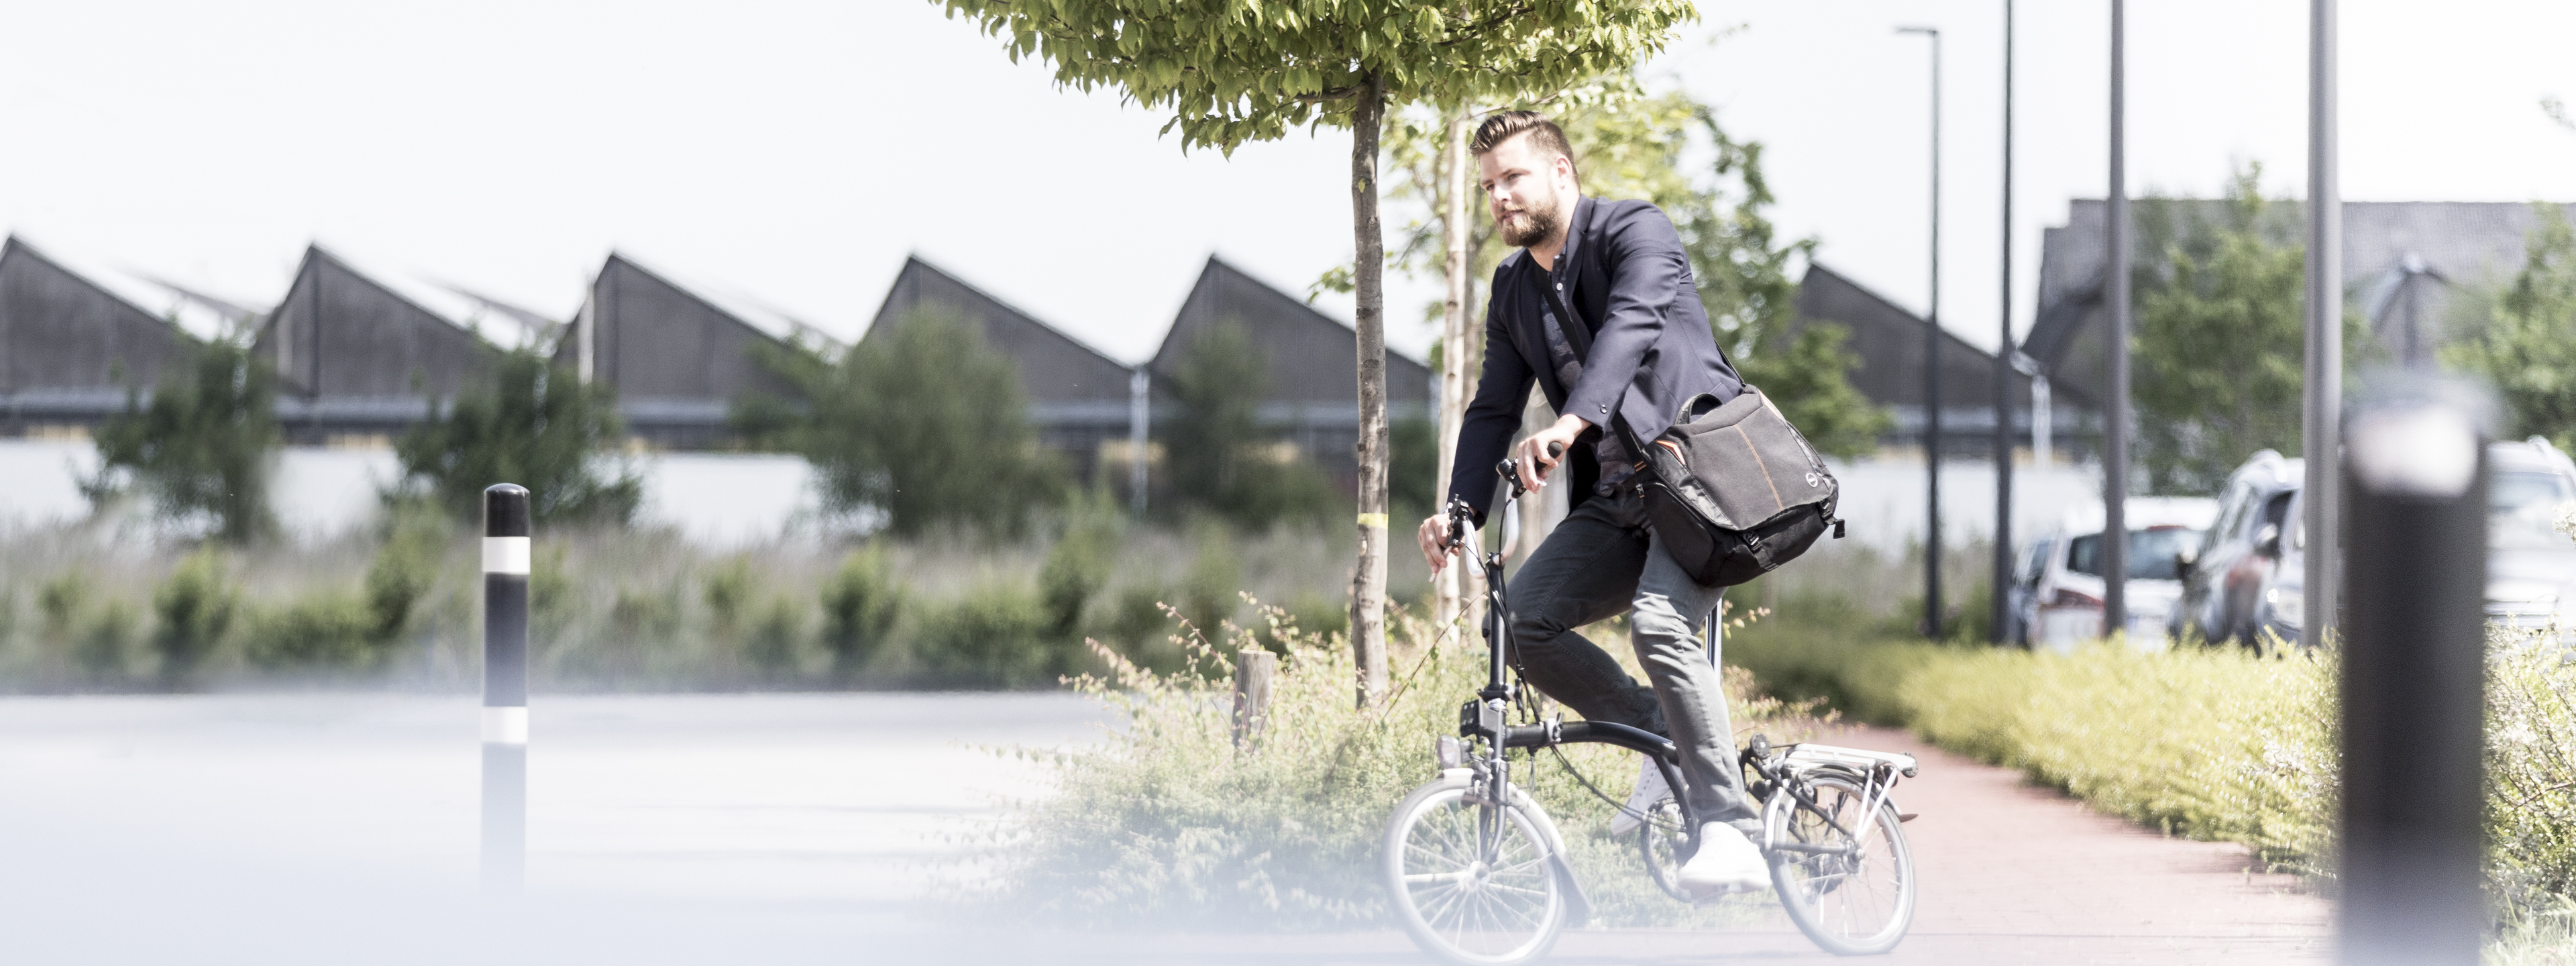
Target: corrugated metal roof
(201, 317)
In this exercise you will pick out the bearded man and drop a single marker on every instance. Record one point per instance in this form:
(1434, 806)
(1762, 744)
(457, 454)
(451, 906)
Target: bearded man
(1598, 308)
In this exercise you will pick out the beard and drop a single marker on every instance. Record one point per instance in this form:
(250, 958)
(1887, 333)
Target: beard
(1535, 225)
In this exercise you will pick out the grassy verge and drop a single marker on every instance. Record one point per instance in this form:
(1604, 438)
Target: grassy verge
(1168, 824)
(2206, 743)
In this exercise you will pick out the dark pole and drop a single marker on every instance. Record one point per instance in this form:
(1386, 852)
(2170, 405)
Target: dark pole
(1932, 370)
(2001, 615)
(2322, 392)
(2413, 681)
(2115, 433)
(505, 686)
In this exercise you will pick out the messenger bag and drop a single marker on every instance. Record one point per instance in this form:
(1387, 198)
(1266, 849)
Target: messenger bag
(1735, 491)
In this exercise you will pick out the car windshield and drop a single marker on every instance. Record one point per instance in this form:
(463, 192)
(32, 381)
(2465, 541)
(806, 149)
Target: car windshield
(2523, 509)
(2151, 552)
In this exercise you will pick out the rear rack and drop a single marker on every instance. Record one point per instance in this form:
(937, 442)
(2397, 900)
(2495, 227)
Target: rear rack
(1802, 757)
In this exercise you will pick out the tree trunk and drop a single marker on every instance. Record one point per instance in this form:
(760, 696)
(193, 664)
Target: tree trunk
(1368, 579)
(1454, 590)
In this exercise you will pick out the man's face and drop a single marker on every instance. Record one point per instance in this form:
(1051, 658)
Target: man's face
(1527, 189)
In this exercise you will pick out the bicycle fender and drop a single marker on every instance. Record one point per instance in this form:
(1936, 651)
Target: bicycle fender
(1578, 906)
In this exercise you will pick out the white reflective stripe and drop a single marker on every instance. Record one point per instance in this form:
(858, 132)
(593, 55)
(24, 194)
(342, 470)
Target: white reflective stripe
(505, 726)
(505, 555)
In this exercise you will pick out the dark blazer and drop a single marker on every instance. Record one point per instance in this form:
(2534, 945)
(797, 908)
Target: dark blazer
(1625, 277)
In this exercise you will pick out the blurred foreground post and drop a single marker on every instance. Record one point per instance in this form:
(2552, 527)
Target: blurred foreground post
(2413, 678)
(505, 686)
(1253, 669)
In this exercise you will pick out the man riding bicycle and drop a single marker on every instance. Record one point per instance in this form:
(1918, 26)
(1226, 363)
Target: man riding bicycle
(1599, 308)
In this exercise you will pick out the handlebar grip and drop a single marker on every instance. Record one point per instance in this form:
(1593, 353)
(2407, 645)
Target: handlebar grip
(1555, 450)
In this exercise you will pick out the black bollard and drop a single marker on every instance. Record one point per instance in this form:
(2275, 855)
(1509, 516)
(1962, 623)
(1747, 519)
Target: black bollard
(2414, 672)
(505, 686)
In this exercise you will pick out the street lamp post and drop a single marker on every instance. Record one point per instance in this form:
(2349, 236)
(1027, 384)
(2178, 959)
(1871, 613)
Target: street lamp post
(2115, 435)
(2001, 616)
(2323, 387)
(1932, 369)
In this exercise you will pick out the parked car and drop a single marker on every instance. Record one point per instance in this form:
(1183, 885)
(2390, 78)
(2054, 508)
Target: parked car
(2242, 582)
(2056, 597)
(2531, 567)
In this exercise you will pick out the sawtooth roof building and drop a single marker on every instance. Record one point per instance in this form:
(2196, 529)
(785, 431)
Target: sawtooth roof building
(1080, 400)
(677, 353)
(74, 342)
(361, 355)
(1311, 389)
(1890, 343)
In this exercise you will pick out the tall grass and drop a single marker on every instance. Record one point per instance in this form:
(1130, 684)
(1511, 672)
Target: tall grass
(92, 608)
(1169, 823)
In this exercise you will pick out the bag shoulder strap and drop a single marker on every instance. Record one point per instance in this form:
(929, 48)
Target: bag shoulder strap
(1576, 333)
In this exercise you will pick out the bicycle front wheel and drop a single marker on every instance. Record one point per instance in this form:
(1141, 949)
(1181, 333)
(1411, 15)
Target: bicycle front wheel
(1470, 880)
(1845, 878)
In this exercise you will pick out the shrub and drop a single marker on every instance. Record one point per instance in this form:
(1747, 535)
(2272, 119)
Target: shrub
(728, 589)
(1079, 565)
(860, 604)
(326, 631)
(403, 571)
(529, 423)
(776, 644)
(996, 636)
(1166, 821)
(194, 609)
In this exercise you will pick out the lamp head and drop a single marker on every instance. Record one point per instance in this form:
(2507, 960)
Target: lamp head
(1926, 31)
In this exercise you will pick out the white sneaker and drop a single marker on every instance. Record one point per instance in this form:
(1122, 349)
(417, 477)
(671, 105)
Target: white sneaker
(1726, 862)
(1651, 789)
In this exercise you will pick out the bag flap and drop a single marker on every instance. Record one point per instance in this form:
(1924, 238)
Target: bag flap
(1742, 464)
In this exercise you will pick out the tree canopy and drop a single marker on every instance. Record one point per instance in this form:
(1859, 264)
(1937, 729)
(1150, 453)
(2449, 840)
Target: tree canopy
(526, 422)
(2528, 349)
(201, 448)
(1236, 71)
(923, 422)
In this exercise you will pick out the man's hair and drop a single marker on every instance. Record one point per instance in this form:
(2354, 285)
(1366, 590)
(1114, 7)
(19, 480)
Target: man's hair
(1543, 134)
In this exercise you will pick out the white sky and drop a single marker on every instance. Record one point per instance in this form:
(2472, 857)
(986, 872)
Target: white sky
(797, 151)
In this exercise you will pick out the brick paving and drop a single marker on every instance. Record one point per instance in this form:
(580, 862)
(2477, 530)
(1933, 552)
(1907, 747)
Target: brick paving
(2010, 874)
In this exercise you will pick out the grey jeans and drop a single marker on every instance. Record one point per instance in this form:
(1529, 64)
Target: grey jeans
(1601, 561)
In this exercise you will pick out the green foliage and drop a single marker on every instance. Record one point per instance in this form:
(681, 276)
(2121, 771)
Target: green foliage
(2528, 350)
(1167, 821)
(923, 421)
(777, 641)
(528, 423)
(2219, 350)
(860, 604)
(404, 569)
(2531, 774)
(1232, 72)
(2211, 743)
(194, 609)
(1221, 457)
(998, 635)
(1079, 565)
(324, 631)
(2238, 749)
(201, 449)
(727, 593)
(1413, 468)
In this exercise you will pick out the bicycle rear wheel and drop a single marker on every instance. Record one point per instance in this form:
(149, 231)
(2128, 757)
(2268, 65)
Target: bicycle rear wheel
(1851, 888)
(1664, 842)
(1472, 881)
